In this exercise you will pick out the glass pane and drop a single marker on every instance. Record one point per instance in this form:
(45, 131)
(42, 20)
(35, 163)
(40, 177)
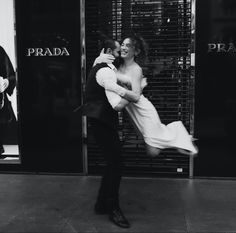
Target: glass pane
(9, 150)
(49, 85)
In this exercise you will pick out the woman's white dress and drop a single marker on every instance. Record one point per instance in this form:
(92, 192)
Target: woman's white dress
(145, 117)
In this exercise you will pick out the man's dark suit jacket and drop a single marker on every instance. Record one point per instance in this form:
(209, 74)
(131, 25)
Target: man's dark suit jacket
(96, 104)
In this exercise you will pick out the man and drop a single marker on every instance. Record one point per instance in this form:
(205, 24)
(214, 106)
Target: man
(99, 108)
(7, 85)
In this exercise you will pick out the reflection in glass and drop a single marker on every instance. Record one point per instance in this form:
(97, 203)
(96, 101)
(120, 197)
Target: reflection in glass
(9, 150)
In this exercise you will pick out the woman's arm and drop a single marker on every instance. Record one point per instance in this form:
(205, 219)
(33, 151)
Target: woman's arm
(104, 58)
(107, 78)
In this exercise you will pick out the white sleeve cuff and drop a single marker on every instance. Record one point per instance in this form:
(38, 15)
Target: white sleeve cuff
(113, 98)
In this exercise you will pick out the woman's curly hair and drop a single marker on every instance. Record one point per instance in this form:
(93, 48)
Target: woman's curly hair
(140, 46)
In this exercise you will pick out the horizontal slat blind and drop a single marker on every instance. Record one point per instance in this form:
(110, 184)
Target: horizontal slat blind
(166, 27)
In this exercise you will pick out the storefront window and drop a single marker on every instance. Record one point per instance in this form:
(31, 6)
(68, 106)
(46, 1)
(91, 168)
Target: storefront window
(9, 150)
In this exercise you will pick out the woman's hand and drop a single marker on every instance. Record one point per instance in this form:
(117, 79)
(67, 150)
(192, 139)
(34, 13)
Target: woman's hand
(144, 82)
(4, 83)
(104, 58)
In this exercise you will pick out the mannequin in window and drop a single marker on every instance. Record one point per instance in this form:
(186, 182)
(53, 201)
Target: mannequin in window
(7, 85)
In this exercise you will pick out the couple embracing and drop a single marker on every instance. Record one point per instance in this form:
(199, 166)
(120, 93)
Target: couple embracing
(111, 89)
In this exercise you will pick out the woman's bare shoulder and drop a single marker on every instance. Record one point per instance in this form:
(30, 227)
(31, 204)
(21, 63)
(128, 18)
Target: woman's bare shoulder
(137, 69)
(137, 66)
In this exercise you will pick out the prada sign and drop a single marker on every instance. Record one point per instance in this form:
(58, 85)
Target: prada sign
(221, 48)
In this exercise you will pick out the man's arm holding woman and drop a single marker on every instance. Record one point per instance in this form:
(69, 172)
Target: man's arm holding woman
(107, 79)
(137, 84)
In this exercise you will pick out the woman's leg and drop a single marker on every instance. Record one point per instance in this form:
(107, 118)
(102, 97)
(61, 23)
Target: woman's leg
(152, 151)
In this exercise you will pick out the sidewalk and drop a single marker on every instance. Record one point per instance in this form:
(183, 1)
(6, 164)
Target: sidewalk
(64, 204)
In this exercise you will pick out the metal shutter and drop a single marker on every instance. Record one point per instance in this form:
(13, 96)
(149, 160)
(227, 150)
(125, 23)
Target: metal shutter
(166, 27)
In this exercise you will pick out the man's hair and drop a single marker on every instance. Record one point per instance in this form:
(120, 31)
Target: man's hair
(108, 44)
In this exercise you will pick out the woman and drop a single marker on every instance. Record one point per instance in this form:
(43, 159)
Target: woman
(143, 114)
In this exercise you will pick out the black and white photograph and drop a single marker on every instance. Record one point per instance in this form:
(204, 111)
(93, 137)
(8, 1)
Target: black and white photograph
(117, 116)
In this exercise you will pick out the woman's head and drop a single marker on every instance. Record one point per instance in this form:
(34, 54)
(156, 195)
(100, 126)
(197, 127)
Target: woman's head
(134, 47)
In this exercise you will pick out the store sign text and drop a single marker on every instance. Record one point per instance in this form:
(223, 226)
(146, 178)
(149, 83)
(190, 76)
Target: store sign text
(221, 48)
(47, 52)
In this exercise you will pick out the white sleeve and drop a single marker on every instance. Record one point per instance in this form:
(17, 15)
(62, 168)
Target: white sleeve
(106, 78)
(113, 98)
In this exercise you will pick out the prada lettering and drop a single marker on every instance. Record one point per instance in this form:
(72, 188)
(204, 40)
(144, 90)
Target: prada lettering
(221, 48)
(47, 52)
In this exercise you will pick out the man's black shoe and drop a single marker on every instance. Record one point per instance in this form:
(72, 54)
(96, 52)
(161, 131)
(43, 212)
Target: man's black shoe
(117, 217)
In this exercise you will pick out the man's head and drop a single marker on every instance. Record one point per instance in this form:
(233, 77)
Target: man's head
(112, 47)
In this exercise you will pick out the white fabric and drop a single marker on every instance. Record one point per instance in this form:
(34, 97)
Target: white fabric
(106, 78)
(112, 67)
(156, 134)
(7, 38)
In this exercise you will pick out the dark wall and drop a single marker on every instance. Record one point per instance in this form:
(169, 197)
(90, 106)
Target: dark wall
(215, 111)
(49, 86)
